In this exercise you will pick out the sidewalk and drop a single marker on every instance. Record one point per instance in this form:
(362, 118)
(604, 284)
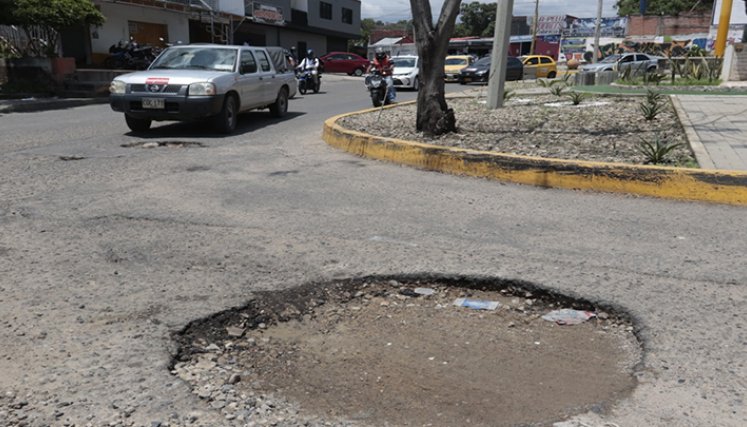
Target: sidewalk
(719, 125)
(33, 104)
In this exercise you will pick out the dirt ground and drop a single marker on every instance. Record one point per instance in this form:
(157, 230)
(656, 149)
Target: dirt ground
(600, 128)
(384, 355)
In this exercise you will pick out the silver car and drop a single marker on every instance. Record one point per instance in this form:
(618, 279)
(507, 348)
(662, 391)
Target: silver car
(639, 62)
(204, 81)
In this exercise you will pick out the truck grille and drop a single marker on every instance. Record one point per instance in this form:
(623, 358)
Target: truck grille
(144, 89)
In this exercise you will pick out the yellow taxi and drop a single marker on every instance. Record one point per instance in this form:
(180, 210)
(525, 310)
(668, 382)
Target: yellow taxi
(540, 65)
(454, 64)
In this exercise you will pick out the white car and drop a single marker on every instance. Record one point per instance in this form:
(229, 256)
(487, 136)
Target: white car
(406, 70)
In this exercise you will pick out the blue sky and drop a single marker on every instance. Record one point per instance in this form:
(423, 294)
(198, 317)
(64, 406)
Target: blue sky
(394, 10)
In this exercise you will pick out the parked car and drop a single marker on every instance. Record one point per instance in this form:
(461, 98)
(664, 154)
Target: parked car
(204, 81)
(343, 62)
(454, 64)
(480, 71)
(543, 66)
(619, 62)
(406, 72)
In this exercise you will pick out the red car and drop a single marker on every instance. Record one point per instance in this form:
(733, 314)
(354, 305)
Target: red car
(344, 62)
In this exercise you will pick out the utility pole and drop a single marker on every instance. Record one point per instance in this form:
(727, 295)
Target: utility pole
(535, 24)
(597, 31)
(723, 27)
(499, 56)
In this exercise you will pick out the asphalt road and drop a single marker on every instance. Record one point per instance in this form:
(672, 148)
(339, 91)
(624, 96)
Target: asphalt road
(106, 248)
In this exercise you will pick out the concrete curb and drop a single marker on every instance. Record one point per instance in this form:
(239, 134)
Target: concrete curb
(729, 187)
(21, 106)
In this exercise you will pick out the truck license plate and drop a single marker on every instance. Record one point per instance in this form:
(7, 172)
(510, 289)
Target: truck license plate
(154, 103)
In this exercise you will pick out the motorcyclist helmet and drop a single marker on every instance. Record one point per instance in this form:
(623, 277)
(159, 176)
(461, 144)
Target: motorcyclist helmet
(380, 55)
(310, 53)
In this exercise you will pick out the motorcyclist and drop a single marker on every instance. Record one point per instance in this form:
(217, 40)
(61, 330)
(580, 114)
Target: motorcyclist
(293, 56)
(311, 63)
(384, 64)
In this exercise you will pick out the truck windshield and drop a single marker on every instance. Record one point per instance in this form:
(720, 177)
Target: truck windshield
(197, 58)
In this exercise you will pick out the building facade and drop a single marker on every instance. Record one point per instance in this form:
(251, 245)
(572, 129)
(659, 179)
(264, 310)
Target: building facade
(323, 25)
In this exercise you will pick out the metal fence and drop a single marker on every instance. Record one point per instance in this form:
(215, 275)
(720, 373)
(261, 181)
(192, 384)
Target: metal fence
(30, 41)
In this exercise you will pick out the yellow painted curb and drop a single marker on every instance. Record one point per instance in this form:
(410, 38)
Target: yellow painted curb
(728, 187)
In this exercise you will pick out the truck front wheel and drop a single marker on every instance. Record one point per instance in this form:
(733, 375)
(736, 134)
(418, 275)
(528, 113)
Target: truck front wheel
(137, 125)
(225, 121)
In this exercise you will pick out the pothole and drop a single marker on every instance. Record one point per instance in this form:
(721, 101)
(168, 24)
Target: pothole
(400, 352)
(167, 144)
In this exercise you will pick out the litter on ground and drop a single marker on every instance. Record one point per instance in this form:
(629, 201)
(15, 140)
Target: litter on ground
(568, 316)
(476, 304)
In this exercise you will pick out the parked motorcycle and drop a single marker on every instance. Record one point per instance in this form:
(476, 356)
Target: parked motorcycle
(129, 56)
(377, 87)
(306, 82)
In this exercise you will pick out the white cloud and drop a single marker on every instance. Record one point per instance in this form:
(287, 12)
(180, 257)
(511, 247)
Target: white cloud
(394, 10)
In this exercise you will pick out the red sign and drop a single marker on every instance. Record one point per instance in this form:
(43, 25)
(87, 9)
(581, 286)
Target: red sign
(157, 81)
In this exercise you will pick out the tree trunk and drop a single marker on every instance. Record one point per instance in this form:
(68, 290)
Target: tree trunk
(434, 117)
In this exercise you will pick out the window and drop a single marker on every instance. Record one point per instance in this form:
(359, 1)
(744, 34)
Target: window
(197, 58)
(532, 61)
(263, 61)
(325, 10)
(248, 65)
(545, 60)
(347, 15)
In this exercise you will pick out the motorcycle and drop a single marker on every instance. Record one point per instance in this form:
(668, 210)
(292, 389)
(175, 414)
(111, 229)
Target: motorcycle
(306, 82)
(377, 87)
(129, 56)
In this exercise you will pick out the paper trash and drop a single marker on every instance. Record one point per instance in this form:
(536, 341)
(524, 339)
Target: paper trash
(476, 304)
(568, 316)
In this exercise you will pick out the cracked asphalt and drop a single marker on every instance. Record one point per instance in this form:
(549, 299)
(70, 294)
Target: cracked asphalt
(106, 250)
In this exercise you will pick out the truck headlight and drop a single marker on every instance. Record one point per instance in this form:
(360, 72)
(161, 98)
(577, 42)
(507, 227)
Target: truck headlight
(201, 89)
(117, 87)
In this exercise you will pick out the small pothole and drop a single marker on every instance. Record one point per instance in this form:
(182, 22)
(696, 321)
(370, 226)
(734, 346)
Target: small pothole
(378, 352)
(167, 144)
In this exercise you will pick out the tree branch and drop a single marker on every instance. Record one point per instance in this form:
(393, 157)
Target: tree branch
(449, 11)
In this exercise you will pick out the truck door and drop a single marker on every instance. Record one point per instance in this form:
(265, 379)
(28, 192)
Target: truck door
(248, 81)
(267, 79)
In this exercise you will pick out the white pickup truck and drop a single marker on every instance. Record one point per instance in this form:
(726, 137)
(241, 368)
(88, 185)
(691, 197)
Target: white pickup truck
(197, 81)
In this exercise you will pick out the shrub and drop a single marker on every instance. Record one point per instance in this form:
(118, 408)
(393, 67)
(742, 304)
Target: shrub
(656, 151)
(576, 97)
(652, 105)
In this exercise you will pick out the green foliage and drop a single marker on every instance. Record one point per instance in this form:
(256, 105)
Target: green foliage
(48, 18)
(653, 78)
(652, 105)
(556, 86)
(557, 90)
(663, 7)
(56, 14)
(576, 97)
(8, 50)
(656, 151)
(654, 97)
(697, 68)
(367, 27)
(508, 94)
(477, 19)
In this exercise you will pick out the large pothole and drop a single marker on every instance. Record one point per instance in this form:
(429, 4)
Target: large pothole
(376, 352)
